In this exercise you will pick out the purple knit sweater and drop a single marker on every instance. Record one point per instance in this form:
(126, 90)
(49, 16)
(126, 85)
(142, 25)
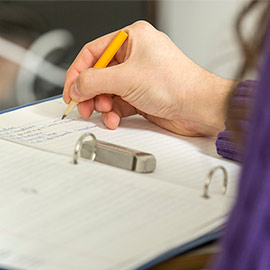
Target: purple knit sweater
(243, 95)
(246, 241)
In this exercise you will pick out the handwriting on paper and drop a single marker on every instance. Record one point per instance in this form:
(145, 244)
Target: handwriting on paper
(44, 131)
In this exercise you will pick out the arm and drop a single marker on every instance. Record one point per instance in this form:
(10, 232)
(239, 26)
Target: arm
(150, 76)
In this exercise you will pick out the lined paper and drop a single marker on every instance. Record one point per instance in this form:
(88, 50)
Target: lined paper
(180, 160)
(57, 215)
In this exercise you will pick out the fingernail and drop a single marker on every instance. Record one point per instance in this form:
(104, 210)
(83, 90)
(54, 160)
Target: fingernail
(74, 91)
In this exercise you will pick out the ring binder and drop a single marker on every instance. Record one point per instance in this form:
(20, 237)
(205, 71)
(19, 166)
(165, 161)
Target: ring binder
(114, 155)
(209, 178)
(136, 207)
(78, 147)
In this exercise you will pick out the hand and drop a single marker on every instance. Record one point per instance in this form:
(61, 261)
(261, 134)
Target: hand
(150, 76)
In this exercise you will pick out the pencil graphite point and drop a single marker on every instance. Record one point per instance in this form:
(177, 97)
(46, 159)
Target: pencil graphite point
(64, 116)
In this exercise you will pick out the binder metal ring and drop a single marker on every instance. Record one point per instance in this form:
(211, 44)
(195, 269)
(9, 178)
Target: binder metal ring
(78, 147)
(209, 178)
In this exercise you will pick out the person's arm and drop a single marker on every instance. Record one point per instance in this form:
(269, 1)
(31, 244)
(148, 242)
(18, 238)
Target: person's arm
(151, 76)
(242, 98)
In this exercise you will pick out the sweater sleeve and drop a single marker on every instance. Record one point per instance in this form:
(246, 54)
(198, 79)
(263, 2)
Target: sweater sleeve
(243, 97)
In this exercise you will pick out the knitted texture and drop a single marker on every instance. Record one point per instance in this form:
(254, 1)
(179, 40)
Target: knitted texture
(243, 96)
(246, 242)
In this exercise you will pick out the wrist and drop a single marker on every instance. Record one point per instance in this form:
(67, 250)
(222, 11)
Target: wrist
(207, 112)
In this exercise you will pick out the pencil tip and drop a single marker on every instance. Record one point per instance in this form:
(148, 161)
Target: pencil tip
(64, 116)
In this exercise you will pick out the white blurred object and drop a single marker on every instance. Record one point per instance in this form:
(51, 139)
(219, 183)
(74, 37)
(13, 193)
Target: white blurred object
(33, 64)
(205, 31)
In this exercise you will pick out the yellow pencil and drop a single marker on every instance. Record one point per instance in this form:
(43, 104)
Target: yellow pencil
(103, 61)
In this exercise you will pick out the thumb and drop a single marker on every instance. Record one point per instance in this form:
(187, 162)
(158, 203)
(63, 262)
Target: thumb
(92, 82)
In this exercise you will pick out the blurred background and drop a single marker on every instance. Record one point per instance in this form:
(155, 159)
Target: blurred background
(40, 39)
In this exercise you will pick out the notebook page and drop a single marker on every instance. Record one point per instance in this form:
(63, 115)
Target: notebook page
(180, 160)
(57, 215)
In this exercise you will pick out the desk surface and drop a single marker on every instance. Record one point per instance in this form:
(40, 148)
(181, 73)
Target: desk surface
(198, 259)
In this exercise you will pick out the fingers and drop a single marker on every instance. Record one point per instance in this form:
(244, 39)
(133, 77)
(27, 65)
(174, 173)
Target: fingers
(120, 109)
(112, 109)
(66, 94)
(86, 108)
(111, 119)
(117, 79)
(103, 103)
(87, 57)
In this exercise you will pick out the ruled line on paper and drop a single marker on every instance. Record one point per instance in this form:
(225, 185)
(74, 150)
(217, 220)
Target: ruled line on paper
(102, 216)
(180, 160)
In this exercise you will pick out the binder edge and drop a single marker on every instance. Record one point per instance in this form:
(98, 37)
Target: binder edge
(172, 252)
(204, 239)
(28, 105)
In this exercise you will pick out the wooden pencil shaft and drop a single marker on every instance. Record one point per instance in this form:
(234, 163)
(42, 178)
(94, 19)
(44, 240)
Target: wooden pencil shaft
(72, 104)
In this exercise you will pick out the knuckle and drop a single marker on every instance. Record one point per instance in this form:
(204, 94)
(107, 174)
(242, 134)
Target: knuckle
(142, 25)
(84, 51)
(85, 48)
(143, 29)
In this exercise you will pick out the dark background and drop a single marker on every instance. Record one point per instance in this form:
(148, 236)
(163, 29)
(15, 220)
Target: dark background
(23, 22)
(88, 20)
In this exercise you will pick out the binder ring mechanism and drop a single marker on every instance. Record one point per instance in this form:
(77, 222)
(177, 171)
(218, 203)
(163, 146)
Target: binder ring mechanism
(78, 147)
(113, 155)
(209, 178)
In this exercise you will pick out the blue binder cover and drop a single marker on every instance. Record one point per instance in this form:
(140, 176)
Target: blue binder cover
(182, 249)
(173, 252)
(29, 104)
(161, 258)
